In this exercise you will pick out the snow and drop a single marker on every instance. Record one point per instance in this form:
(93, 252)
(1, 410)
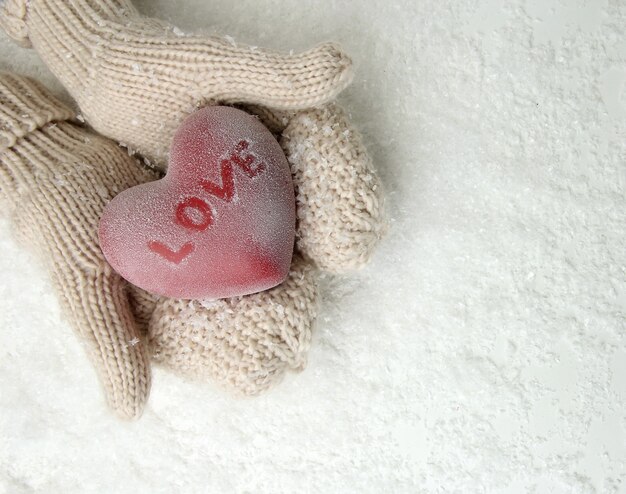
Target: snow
(483, 350)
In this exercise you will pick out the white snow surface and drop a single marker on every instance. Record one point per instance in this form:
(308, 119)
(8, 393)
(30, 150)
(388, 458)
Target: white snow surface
(484, 348)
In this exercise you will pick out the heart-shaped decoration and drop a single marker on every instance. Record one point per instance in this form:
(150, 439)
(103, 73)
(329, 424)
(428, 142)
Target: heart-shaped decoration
(220, 223)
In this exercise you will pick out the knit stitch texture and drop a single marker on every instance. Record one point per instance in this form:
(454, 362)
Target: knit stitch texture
(56, 178)
(135, 79)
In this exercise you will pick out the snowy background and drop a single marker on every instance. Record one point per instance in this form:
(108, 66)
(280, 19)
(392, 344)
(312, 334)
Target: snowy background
(483, 350)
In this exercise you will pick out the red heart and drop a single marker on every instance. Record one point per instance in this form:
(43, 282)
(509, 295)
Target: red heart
(221, 223)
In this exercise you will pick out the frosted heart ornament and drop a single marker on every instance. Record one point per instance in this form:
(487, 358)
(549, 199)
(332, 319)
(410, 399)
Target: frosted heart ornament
(221, 223)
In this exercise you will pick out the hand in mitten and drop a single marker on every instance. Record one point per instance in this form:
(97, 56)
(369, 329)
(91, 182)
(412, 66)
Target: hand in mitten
(247, 343)
(135, 78)
(55, 179)
(153, 78)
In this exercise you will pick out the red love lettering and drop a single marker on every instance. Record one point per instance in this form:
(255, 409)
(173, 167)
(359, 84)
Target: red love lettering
(183, 218)
(245, 161)
(171, 255)
(226, 191)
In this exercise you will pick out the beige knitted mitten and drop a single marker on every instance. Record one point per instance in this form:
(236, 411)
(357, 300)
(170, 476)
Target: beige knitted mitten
(55, 179)
(136, 78)
(244, 344)
(247, 343)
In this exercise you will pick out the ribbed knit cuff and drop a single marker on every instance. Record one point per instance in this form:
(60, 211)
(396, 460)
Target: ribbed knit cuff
(25, 105)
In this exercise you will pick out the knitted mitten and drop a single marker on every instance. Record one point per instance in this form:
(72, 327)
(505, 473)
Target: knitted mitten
(136, 78)
(55, 179)
(247, 343)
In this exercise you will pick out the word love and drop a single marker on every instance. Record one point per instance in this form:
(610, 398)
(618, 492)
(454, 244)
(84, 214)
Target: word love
(221, 223)
(204, 213)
